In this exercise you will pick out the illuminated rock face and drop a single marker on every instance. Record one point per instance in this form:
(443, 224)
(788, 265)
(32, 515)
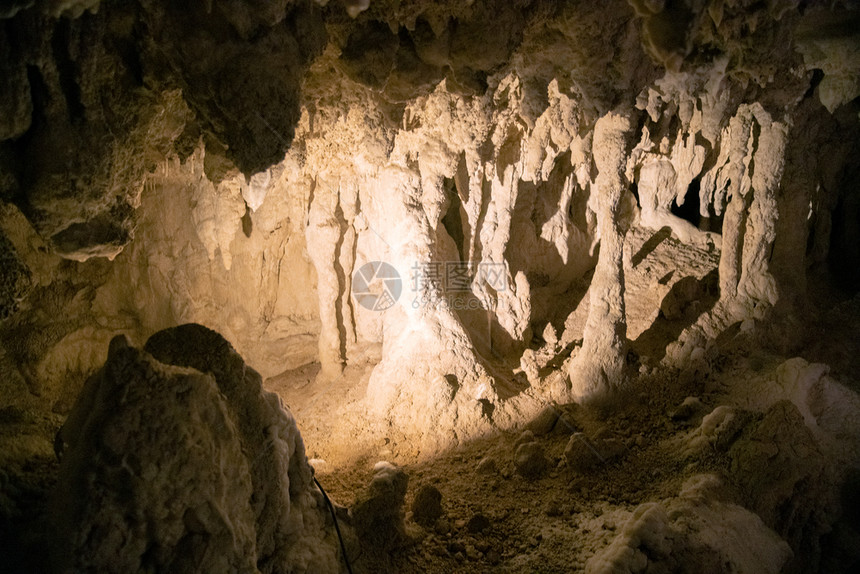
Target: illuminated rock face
(540, 186)
(175, 459)
(552, 184)
(602, 360)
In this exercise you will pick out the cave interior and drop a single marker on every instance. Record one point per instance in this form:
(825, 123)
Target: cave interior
(409, 286)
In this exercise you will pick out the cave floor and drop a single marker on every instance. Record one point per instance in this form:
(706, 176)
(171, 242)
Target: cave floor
(551, 524)
(554, 523)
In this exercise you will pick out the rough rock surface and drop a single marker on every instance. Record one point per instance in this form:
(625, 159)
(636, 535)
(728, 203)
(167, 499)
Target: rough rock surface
(573, 196)
(95, 103)
(379, 514)
(15, 279)
(641, 194)
(601, 364)
(170, 468)
(781, 440)
(695, 532)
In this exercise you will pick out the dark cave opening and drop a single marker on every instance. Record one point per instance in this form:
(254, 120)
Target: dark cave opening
(61, 44)
(689, 210)
(634, 189)
(844, 255)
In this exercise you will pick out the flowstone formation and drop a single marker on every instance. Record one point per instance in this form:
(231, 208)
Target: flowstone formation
(599, 223)
(591, 189)
(175, 459)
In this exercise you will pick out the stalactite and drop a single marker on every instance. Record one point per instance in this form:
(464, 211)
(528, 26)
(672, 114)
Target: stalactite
(424, 221)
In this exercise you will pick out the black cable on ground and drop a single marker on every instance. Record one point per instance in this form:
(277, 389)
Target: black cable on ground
(336, 527)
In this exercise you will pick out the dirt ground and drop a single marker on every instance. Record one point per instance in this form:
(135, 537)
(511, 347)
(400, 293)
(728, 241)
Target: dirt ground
(551, 523)
(497, 520)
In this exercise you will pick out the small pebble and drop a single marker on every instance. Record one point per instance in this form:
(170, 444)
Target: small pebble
(487, 465)
(530, 460)
(526, 437)
(472, 552)
(478, 523)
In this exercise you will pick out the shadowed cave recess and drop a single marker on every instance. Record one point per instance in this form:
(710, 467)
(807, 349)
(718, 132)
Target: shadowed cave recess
(525, 285)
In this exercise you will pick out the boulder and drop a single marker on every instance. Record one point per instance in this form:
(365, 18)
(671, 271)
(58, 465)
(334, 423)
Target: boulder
(427, 505)
(183, 463)
(378, 515)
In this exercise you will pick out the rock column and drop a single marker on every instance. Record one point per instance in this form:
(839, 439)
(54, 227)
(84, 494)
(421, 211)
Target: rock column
(600, 364)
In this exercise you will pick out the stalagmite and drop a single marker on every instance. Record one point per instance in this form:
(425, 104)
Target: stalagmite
(324, 235)
(423, 339)
(601, 365)
(756, 281)
(751, 175)
(176, 459)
